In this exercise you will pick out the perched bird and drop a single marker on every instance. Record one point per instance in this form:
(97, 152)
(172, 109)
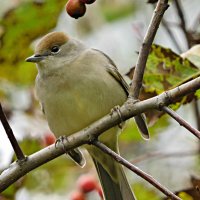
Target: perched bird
(76, 86)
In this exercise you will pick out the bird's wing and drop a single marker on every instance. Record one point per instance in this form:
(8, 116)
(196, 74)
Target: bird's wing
(139, 119)
(112, 69)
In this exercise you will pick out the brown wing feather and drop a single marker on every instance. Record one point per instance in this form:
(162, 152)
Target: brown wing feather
(112, 69)
(139, 119)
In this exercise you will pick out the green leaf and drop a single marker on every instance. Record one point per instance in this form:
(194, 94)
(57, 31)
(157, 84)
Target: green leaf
(166, 69)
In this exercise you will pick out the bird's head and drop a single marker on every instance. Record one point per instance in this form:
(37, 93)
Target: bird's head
(54, 50)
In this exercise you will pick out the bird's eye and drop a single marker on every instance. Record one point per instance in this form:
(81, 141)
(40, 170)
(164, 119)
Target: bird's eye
(55, 49)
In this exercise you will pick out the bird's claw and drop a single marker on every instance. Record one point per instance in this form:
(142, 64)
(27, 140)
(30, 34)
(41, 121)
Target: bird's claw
(75, 154)
(117, 109)
(61, 140)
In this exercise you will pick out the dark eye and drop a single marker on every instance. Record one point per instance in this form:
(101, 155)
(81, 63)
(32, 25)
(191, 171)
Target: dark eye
(55, 49)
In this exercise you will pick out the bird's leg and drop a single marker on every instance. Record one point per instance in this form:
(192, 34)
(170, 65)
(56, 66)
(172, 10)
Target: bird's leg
(117, 109)
(61, 140)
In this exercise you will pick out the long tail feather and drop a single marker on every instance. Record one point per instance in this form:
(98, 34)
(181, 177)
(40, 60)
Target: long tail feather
(112, 177)
(113, 190)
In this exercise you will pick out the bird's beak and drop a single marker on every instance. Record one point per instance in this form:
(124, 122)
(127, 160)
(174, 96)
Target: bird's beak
(35, 58)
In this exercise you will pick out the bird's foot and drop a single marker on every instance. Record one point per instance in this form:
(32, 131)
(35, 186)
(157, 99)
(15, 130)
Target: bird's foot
(61, 141)
(75, 154)
(117, 109)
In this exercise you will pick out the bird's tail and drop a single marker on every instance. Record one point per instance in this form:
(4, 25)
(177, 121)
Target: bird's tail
(114, 189)
(112, 177)
(140, 120)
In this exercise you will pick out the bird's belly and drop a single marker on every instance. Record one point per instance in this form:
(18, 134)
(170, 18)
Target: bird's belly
(70, 109)
(67, 114)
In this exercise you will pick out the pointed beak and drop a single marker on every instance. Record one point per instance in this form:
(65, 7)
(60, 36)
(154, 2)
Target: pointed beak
(35, 58)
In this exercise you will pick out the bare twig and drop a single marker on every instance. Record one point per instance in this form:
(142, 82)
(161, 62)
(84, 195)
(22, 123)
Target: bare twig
(161, 7)
(197, 114)
(182, 21)
(9, 132)
(128, 110)
(196, 22)
(171, 34)
(172, 24)
(181, 121)
(135, 169)
(189, 40)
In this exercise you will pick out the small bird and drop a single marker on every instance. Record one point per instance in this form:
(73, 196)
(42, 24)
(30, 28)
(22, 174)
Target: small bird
(76, 86)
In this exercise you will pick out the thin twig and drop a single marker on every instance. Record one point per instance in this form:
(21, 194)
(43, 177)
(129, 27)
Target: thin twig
(197, 114)
(9, 132)
(182, 20)
(135, 169)
(189, 44)
(161, 7)
(16, 170)
(196, 23)
(181, 121)
(171, 35)
(163, 155)
(173, 24)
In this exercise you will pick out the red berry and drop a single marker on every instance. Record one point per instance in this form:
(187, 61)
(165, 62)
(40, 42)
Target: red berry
(77, 195)
(87, 183)
(49, 139)
(88, 1)
(75, 8)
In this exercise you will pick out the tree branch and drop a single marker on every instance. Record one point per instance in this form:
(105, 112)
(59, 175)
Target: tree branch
(89, 134)
(135, 169)
(181, 121)
(171, 34)
(9, 132)
(161, 7)
(190, 42)
(196, 112)
(182, 19)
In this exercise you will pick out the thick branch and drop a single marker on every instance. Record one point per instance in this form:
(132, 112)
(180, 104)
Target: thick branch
(9, 132)
(161, 7)
(128, 110)
(134, 169)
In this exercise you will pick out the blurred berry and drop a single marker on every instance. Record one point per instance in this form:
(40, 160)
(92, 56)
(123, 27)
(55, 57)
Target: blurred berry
(49, 139)
(75, 8)
(87, 183)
